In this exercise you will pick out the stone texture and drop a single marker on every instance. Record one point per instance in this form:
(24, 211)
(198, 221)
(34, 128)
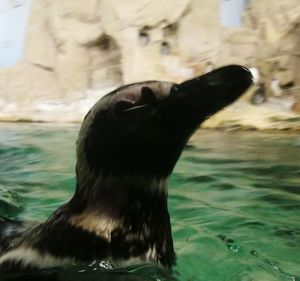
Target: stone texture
(125, 20)
(278, 24)
(238, 46)
(78, 50)
(199, 31)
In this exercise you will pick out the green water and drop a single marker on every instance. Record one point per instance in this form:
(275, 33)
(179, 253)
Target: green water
(234, 199)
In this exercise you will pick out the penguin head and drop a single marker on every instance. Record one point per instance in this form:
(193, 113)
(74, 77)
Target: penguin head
(142, 128)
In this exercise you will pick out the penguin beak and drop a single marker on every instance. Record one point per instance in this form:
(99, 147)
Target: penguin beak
(197, 99)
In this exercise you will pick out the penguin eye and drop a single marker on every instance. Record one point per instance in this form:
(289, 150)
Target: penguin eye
(125, 107)
(121, 107)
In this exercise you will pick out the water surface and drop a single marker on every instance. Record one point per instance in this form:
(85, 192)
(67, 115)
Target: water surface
(234, 200)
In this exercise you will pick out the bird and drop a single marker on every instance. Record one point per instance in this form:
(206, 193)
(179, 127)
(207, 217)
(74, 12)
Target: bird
(128, 145)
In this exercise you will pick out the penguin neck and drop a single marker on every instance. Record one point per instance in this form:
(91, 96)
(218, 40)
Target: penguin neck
(128, 214)
(113, 195)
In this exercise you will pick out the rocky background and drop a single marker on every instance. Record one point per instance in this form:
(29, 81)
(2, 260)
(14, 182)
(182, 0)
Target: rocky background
(76, 51)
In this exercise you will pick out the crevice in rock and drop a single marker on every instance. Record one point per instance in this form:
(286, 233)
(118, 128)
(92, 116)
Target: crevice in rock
(171, 29)
(165, 48)
(186, 11)
(59, 44)
(169, 45)
(44, 67)
(144, 37)
(105, 62)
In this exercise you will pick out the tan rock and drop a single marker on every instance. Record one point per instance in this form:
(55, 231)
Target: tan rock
(199, 31)
(105, 63)
(118, 15)
(72, 68)
(75, 46)
(239, 46)
(23, 85)
(124, 21)
(80, 9)
(296, 104)
(278, 41)
(40, 47)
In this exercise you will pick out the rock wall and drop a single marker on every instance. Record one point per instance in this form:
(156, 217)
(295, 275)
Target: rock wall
(78, 50)
(278, 52)
(279, 37)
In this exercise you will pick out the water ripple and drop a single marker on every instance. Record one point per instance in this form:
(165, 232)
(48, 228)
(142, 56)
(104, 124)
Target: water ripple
(233, 199)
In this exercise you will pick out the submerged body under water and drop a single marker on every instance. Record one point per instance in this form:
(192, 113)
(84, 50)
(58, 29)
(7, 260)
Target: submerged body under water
(234, 201)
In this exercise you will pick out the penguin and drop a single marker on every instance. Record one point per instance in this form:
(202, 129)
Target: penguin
(128, 145)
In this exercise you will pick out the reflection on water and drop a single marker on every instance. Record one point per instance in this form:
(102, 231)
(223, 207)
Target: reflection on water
(234, 200)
